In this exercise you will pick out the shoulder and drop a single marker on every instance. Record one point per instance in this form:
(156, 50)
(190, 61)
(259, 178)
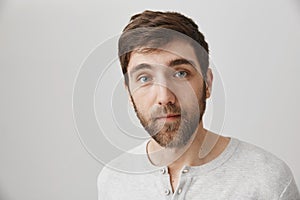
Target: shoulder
(124, 166)
(105, 176)
(260, 158)
(256, 163)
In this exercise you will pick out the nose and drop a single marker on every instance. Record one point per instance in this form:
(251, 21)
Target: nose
(165, 95)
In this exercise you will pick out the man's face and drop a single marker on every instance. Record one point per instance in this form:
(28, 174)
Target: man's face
(168, 92)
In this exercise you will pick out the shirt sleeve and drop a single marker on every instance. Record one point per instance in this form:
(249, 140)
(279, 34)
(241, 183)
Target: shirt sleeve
(290, 192)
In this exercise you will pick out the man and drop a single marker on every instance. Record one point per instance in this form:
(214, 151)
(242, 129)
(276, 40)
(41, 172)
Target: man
(164, 60)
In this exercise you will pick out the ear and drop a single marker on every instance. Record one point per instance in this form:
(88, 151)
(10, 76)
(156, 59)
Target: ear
(209, 80)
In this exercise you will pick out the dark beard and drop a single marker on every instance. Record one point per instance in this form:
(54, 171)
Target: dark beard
(173, 134)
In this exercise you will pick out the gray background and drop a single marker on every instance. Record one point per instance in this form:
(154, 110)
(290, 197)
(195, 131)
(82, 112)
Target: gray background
(254, 45)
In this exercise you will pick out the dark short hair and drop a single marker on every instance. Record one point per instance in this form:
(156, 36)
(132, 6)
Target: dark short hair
(153, 29)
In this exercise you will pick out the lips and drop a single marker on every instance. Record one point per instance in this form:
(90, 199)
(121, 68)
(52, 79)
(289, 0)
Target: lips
(169, 116)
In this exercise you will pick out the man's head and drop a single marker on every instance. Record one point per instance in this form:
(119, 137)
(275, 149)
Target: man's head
(154, 29)
(164, 60)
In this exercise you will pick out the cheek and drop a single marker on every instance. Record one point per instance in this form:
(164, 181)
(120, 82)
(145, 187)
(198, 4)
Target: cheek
(143, 101)
(189, 97)
(185, 93)
(197, 87)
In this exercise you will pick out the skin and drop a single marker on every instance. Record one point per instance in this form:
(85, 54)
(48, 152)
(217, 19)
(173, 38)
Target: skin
(155, 84)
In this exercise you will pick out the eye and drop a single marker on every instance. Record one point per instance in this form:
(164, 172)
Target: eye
(144, 79)
(181, 74)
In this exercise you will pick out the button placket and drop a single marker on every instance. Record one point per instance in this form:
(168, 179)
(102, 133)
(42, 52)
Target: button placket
(164, 183)
(182, 184)
(183, 187)
(167, 192)
(179, 191)
(162, 170)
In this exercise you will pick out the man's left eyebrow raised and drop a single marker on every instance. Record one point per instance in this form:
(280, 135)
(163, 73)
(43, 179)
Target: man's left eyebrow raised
(140, 67)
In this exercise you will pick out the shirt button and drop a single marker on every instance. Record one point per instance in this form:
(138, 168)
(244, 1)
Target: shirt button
(167, 192)
(179, 191)
(163, 170)
(185, 171)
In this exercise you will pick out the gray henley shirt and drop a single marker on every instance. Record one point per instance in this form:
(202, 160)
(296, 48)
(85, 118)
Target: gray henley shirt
(241, 171)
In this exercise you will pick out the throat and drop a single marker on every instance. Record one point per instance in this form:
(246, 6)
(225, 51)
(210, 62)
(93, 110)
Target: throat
(174, 180)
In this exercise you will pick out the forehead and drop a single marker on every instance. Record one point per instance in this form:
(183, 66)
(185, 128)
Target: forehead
(162, 56)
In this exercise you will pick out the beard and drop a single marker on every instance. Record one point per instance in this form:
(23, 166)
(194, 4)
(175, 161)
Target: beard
(178, 133)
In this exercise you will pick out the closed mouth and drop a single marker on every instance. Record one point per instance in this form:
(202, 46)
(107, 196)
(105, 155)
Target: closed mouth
(169, 116)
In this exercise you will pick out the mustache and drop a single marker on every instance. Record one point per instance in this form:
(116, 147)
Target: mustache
(168, 109)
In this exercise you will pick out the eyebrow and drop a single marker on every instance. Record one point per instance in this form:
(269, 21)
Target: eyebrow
(172, 63)
(140, 67)
(181, 61)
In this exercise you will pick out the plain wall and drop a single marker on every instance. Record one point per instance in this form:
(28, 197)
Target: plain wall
(254, 46)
